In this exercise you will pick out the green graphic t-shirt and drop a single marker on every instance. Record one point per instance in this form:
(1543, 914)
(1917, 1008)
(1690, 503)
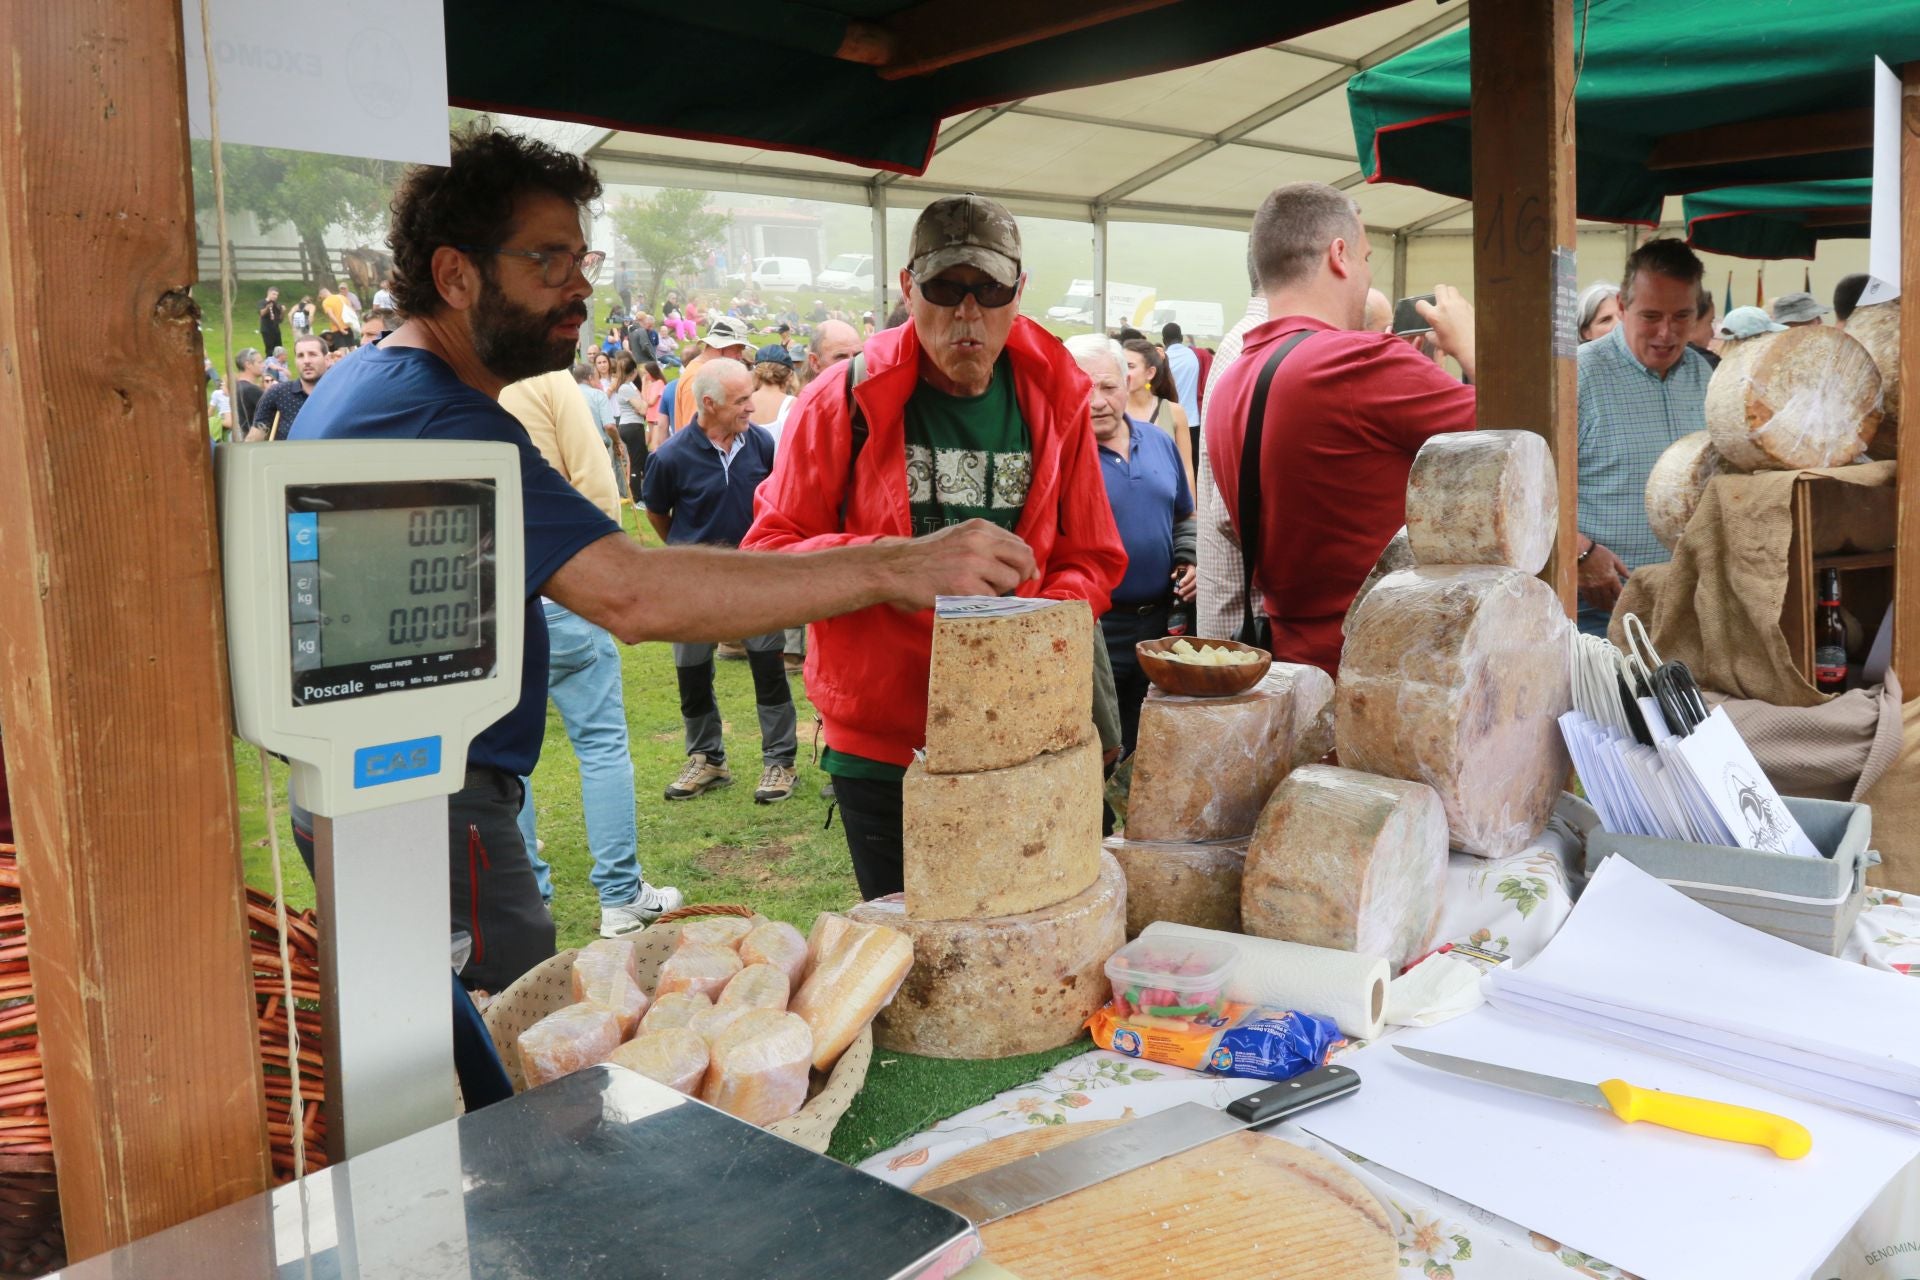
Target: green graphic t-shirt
(967, 457)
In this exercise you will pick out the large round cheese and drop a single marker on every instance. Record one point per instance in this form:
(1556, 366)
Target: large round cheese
(1483, 497)
(1349, 861)
(1456, 677)
(1677, 481)
(1877, 328)
(1002, 688)
(1191, 884)
(998, 987)
(1803, 397)
(1397, 556)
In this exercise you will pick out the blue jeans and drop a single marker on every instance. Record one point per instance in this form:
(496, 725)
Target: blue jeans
(583, 679)
(1592, 621)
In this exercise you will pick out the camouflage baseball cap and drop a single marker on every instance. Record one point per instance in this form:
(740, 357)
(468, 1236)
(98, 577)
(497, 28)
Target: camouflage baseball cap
(968, 231)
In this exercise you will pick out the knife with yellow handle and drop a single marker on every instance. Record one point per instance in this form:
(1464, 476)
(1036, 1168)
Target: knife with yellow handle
(1701, 1116)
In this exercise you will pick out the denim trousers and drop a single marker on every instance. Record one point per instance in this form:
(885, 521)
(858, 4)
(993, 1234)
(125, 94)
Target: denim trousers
(583, 679)
(773, 699)
(1592, 621)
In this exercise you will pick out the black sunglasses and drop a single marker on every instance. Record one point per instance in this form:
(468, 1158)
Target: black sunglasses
(990, 294)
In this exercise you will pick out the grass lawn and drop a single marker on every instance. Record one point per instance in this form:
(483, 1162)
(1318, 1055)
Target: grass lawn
(722, 847)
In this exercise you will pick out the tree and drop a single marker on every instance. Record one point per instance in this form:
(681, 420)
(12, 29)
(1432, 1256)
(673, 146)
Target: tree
(309, 190)
(671, 231)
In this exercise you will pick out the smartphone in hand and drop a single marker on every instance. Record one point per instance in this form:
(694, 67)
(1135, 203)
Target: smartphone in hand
(1407, 319)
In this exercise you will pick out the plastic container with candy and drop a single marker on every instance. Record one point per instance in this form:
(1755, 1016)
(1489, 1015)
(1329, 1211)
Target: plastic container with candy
(1171, 978)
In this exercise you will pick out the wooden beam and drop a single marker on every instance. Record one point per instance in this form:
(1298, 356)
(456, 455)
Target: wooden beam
(1906, 573)
(1814, 135)
(1856, 216)
(1524, 238)
(112, 655)
(933, 34)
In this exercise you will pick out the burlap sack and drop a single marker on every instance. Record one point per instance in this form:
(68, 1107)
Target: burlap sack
(1836, 751)
(1716, 606)
(1896, 812)
(547, 987)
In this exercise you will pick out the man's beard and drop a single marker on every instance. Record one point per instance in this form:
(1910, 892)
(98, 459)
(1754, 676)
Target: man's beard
(512, 342)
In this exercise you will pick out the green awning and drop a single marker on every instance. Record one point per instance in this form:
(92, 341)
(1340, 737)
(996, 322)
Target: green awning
(765, 72)
(1649, 69)
(1784, 221)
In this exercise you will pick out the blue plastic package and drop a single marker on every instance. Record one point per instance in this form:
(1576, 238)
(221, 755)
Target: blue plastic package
(1275, 1045)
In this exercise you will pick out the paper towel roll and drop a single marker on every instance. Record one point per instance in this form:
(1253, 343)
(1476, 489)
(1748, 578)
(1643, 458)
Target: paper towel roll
(1349, 988)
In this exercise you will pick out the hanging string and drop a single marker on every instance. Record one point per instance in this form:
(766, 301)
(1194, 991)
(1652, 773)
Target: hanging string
(1579, 66)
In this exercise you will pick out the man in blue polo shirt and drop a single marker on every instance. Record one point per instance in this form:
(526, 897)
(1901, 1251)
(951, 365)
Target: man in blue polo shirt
(493, 273)
(1147, 486)
(699, 492)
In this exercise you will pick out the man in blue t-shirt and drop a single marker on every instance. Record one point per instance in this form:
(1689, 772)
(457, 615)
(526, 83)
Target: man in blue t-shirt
(493, 274)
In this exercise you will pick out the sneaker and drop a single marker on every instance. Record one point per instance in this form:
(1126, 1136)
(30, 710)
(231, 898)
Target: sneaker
(699, 776)
(776, 784)
(641, 912)
(734, 649)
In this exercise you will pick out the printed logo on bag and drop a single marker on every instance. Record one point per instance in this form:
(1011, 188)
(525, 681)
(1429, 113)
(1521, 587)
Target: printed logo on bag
(1765, 823)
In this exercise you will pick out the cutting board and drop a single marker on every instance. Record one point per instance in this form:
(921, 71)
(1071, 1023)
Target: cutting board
(1246, 1204)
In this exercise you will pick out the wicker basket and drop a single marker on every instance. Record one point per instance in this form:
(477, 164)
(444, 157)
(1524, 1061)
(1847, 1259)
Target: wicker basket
(547, 987)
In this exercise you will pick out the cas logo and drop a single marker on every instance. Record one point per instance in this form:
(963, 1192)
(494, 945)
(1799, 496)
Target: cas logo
(396, 761)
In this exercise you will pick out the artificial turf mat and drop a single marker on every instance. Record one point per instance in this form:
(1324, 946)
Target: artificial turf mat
(905, 1095)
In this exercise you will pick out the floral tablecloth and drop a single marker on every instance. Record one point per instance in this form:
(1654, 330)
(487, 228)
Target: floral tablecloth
(1513, 905)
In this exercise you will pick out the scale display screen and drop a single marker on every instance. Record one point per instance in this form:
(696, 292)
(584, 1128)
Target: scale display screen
(389, 586)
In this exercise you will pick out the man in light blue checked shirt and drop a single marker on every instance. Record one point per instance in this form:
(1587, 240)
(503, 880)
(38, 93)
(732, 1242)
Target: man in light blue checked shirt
(1641, 388)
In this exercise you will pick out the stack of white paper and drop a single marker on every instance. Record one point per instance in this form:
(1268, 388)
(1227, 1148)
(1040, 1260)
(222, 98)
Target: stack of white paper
(1641, 964)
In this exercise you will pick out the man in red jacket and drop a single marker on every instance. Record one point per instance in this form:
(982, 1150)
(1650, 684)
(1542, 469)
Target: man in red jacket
(969, 410)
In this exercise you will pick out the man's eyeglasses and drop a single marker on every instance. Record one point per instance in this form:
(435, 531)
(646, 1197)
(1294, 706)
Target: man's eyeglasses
(556, 265)
(990, 294)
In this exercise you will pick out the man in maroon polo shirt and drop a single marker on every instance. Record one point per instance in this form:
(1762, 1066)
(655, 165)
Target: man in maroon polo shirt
(1347, 411)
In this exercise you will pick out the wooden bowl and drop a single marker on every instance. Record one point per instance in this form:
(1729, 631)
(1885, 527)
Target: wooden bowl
(1190, 680)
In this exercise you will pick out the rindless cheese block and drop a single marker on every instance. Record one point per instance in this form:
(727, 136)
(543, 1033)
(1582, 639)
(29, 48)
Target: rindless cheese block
(757, 1068)
(1002, 841)
(1009, 680)
(1205, 766)
(566, 1040)
(1677, 481)
(853, 978)
(758, 986)
(1194, 884)
(676, 1057)
(1396, 557)
(1877, 328)
(675, 1009)
(1456, 677)
(603, 974)
(698, 967)
(998, 987)
(1483, 497)
(1349, 861)
(1804, 397)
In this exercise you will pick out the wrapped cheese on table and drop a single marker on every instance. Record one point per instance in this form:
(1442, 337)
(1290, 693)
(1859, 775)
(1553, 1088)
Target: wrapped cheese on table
(1003, 687)
(566, 1040)
(603, 973)
(757, 986)
(674, 1056)
(852, 980)
(697, 967)
(1194, 884)
(757, 1068)
(715, 931)
(1483, 497)
(1877, 328)
(1678, 481)
(1205, 766)
(1456, 677)
(1804, 397)
(1397, 556)
(709, 1023)
(1349, 861)
(780, 944)
(675, 1009)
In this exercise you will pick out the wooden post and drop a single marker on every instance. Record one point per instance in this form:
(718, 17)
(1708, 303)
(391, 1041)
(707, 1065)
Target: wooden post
(112, 656)
(1906, 574)
(1525, 283)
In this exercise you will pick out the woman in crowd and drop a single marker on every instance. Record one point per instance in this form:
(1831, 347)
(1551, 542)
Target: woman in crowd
(630, 416)
(1151, 398)
(603, 374)
(1599, 310)
(773, 388)
(302, 317)
(653, 385)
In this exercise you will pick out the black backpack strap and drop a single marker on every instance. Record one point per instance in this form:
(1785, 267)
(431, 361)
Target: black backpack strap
(857, 420)
(1249, 498)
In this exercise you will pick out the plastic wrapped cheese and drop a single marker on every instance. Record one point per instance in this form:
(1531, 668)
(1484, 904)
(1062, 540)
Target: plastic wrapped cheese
(1483, 497)
(710, 1022)
(696, 967)
(999, 987)
(603, 974)
(1001, 841)
(757, 986)
(1205, 766)
(715, 931)
(675, 1009)
(1397, 556)
(566, 1040)
(757, 1068)
(1803, 397)
(1877, 328)
(1191, 884)
(1455, 677)
(1349, 861)
(852, 980)
(675, 1056)
(1004, 686)
(780, 944)
(1677, 481)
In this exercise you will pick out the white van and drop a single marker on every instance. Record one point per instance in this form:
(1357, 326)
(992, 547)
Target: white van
(848, 273)
(1127, 304)
(782, 273)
